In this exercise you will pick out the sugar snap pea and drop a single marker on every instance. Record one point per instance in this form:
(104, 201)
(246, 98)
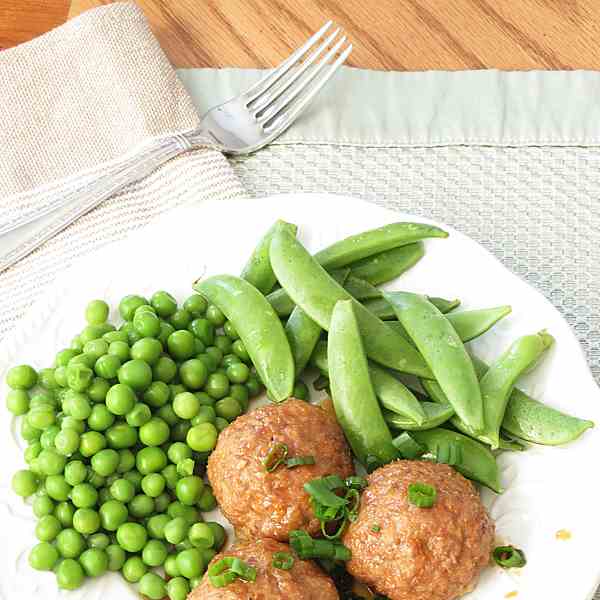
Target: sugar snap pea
(303, 334)
(444, 352)
(257, 270)
(361, 289)
(374, 241)
(469, 457)
(354, 400)
(314, 290)
(388, 265)
(469, 324)
(435, 415)
(392, 394)
(382, 308)
(498, 381)
(259, 328)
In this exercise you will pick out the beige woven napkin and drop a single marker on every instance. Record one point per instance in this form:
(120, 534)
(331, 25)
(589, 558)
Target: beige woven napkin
(74, 103)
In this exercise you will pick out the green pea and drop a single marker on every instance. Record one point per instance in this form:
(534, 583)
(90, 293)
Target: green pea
(120, 350)
(204, 330)
(96, 312)
(87, 360)
(94, 562)
(157, 394)
(207, 500)
(43, 557)
(69, 574)
(178, 452)
(180, 319)
(40, 417)
(70, 543)
(152, 586)
(188, 489)
(79, 377)
(205, 399)
(163, 303)
(46, 379)
(223, 343)
(154, 553)
(28, 432)
(60, 377)
(77, 405)
(150, 460)
(121, 435)
(215, 353)
(217, 385)
(181, 344)
(116, 557)
(156, 525)
(132, 537)
(161, 502)
(64, 512)
(134, 569)
(228, 408)
(95, 479)
(240, 350)
(91, 332)
(96, 348)
(137, 374)
(196, 305)
(51, 462)
(230, 359)
(98, 389)
(48, 437)
(86, 521)
(104, 495)
(201, 535)
(17, 402)
(23, 377)
(240, 393)
(147, 349)
(186, 405)
(98, 540)
(76, 473)
(176, 388)
(91, 442)
(202, 437)
(134, 477)
(170, 566)
(32, 452)
(141, 506)
(68, 422)
(189, 563)
(164, 370)
(100, 418)
(47, 528)
(63, 357)
(154, 433)
(115, 336)
(178, 588)
(238, 373)
(253, 386)
(146, 324)
(178, 509)
(105, 462)
(25, 483)
(230, 330)
(42, 506)
(120, 398)
(113, 514)
(176, 530)
(107, 366)
(76, 344)
(193, 373)
(215, 316)
(122, 490)
(219, 533)
(171, 476)
(129, 304)
(166, 329)
(139, 415)
(126, 461)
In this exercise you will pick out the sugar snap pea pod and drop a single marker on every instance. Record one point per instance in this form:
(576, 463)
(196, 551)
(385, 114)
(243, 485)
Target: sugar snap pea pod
(435, 415)
(499, 380)
(388, 265)
(469, 457)
(360, 289)
(259, 328)
(444, 353)
(283, 305)
(316, 293)
(469, 324)
(354, 401)
(536, 422)
(258, 270)
(392, 394)
(303, 334)
(374, 241)
(382, 308)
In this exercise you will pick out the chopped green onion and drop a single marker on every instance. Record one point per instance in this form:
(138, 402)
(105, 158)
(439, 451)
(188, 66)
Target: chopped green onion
(320, 491)
(297, 461)
(283, 560)
(356, 482)
(353, 497)
(276, 456)
(228, 569)
(307, 547)
(509, 557)
(422, 495)
(185, 468)
(376, 528)
(408, 447)
(338, 532)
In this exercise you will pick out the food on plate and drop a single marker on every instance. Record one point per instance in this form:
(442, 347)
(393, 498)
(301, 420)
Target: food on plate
(262, 501)
(135, 432)
(409, 551)
(278, 574)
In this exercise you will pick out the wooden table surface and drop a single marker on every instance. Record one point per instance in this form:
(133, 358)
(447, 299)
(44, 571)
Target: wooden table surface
(387, 34)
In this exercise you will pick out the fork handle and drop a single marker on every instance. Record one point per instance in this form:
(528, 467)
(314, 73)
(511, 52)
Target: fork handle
(34, 230)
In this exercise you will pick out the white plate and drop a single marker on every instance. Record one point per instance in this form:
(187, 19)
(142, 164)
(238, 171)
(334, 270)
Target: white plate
(547, 489)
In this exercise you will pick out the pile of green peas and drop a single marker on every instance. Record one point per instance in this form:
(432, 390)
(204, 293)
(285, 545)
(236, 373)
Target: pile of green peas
(118, 433)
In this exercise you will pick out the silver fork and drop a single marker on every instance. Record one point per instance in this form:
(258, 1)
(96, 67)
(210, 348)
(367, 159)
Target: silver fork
(239, 126)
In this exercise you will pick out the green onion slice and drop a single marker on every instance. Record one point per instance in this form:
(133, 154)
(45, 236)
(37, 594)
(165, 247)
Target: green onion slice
(353, 497)
(422, 495)
(375, 528)
(297, 461)
(228, 569)
(276, 456)
(356, 482)
(283, 560)
(306, 547)
(509, 557)
(321, 492)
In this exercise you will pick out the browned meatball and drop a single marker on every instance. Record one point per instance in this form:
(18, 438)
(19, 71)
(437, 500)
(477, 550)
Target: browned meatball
(432, 553)
(304, 581)
(261, 504)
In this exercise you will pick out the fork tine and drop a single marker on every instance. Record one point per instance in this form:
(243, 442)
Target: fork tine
(283, 121)
(303, 84)
(266, 82)
(269, 96)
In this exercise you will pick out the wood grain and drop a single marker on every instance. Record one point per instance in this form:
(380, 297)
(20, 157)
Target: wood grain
(387, 34)
(22, 20)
